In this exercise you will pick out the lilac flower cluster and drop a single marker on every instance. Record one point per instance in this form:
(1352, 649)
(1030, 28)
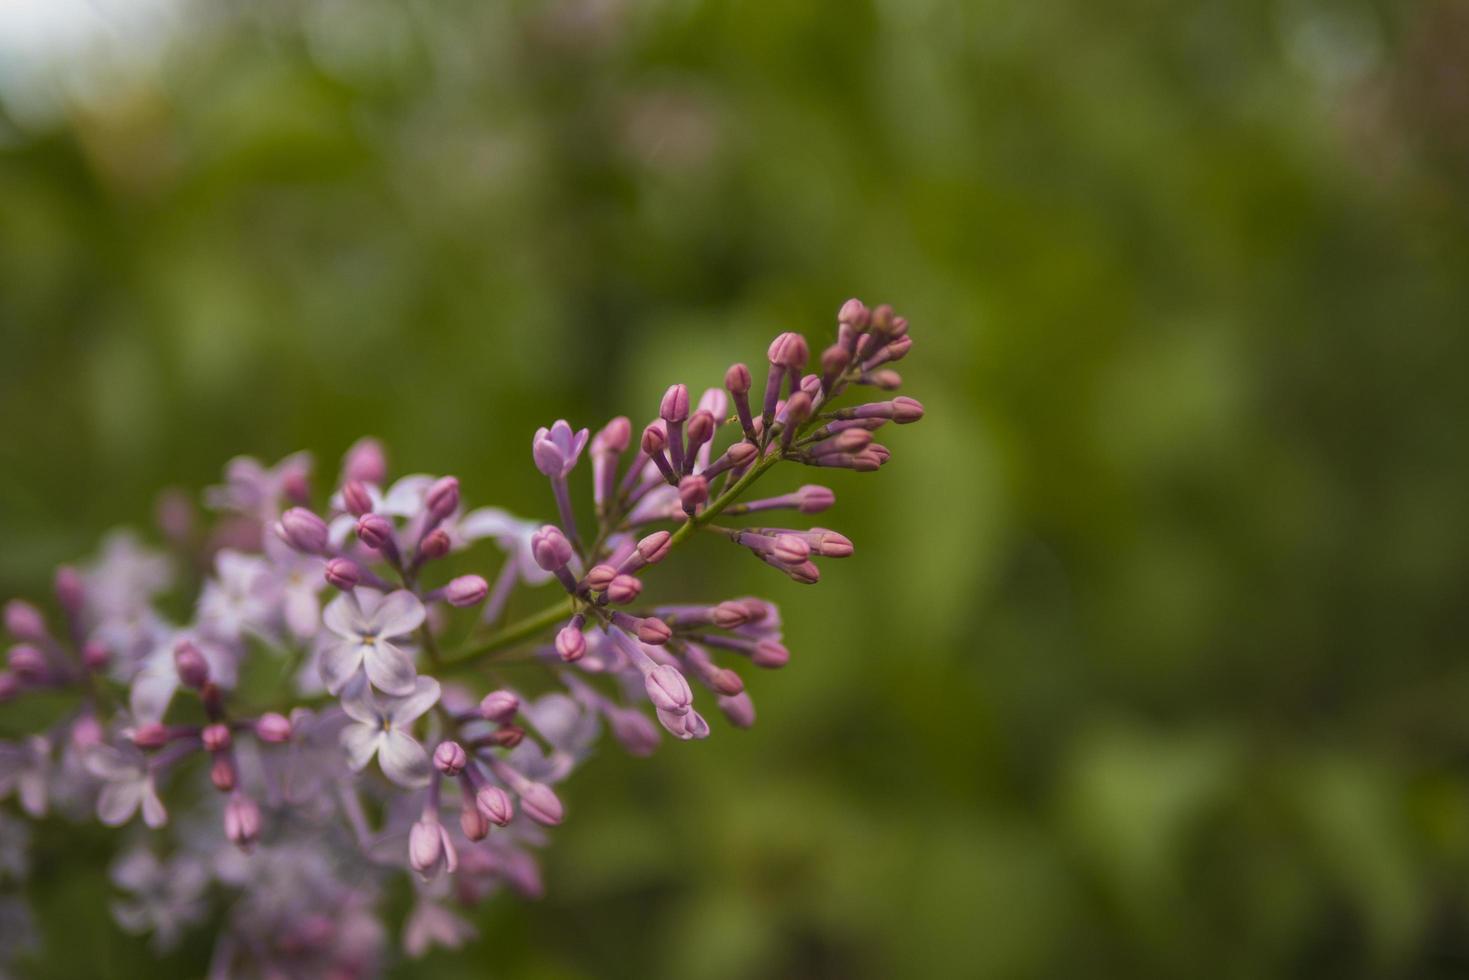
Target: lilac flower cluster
(369, 756)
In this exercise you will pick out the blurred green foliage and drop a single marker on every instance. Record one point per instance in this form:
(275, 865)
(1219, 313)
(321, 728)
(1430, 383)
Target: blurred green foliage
(1149, 662)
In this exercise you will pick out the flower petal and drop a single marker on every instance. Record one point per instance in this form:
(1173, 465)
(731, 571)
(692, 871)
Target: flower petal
(389, 668)
(118, 801)
(405, 710)
(399, 614)
(343, 616)
(113, 764)
(403, 760)
(339, 663)
(154, 815)
(360, 742)
(359, 704)
(302, 610)
(153, 689)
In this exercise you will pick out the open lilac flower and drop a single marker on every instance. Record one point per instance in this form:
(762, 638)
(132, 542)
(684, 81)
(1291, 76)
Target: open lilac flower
(557, 449)
(24, 769)
(127, 786)
(381, 727)
(255, 490)
(240, 598)
(367, 623)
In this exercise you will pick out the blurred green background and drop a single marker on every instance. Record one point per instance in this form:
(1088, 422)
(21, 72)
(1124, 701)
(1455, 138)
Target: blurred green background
(1150, 661)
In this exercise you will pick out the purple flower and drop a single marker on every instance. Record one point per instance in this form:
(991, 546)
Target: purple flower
(25, 768)
(240, 599)
(127, 786)
(430, 925)
(366, 623)
(252, 489)
(557, 449)
(380, 728)
(164, 899)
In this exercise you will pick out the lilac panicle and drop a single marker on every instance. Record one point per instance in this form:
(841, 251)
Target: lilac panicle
(353, 604)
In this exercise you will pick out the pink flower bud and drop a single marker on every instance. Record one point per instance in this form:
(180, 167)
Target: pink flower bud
(193, 669)
(442, 498)
(356, 498)
(614, 437)
(886, 380)
(216, 737)
(813, 499)
(376, 531)
(476, 825)
(343, 573)
(675, 404)
(906, 410)
(737, 379)
(27, 663)
(789, 549)
(789, 350)
(366, 462)
(549, 548)
(668, 690)
(95, 655)
(655, 440)
(450, 758)
(303, 530)
(854, 313)
(150, 735)
(624, 589)
(428, 848)
(693, 492)
(701, 428)
(541, 804)
(655, 546)
(571, 644)
(499, 706)
(728, 615)
(71, 592)
(466, 590)
(770, 654)
(273, 727)
(222, 773)
(600, 577)
(739, 709)
(653, 631)
(24, 621)
(242, 821)
(494, 803)
(435, 544)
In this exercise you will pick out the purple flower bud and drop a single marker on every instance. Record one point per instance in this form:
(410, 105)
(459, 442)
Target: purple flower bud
(728, 615)
(242, 821)
(95, 655)
(614, 437)
(855, 314)
(24, 621)
(789, 549)
(550, 548)
(689, 725)
(600, 577)
(494, 803)
(701, 429)
(28, 663)
(499, 706)
(813, 498)
(879, 451)
(770, 654)
(273, 727)
(624, 589)
(906, 410)
(442, 498)
(475, 825)
(886, 380)
(303, 530)
(556, 450)
(739, 709)
(296, 485)
(356, 498)
(426, 846)
(607, 446)
(668, 689)
(693, 492)
(736, 457)
(376, 531)
(150, 735)
(366, 462)
(193, 669)
(450, 758)
(71, 593)
(222, 772)
(834, 360)
(434, 545)
(571, 644)
(655, 440)
(675, 404)
(789, 350)
(216, 737)
(737, 379)
(343, 573)
(540, 803)
(653, 631)
(653, 548)
(797, 410)
(466, 590)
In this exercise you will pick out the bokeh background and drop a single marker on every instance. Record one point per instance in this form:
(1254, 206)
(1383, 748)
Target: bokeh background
(1151, 661)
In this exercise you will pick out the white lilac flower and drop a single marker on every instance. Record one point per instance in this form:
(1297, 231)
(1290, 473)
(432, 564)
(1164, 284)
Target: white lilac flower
(240, 598)
(162, 899)
(127, 786)
(365, 624)
(24, 768)
(381, 728)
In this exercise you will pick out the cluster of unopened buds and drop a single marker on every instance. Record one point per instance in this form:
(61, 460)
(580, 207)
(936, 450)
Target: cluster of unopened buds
(371, 752)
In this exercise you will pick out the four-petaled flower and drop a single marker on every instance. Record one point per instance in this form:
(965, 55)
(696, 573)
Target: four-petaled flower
(557, 449)
(127, 785)
(380, 727)
(367, 622)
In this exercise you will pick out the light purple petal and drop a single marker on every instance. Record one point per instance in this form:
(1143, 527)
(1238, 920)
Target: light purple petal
(405, 710)
(403, 760)
(398, 614)
(113, 764)
(359, 704)
(118, 801)
(360, 742)
(389, 668)
(152, 690)
(302, 610)
(154, 815)
(343, 616)
(339, 663)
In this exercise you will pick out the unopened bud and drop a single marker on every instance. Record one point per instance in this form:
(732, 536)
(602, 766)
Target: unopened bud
(789, 350)
(273, 727)
(466, 590)
(71, 593)
(549, 548)
(193, 669)
(442, 498)
(356, 499)
(343, 573)
(668, 690)
(150, 735)
(495, 804)
(216, 737)
(366, 462)
(222, 773)
(737, 379)
(541, 804)
(435, 544)
(675, 404)
(624, 589)
(376, 531)
(24, 621)
(770, 654)
(571, 644)
(242, 821)
(27, 663)
(450, 758)
(499, 706)
(304, 530)
(653, 631)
